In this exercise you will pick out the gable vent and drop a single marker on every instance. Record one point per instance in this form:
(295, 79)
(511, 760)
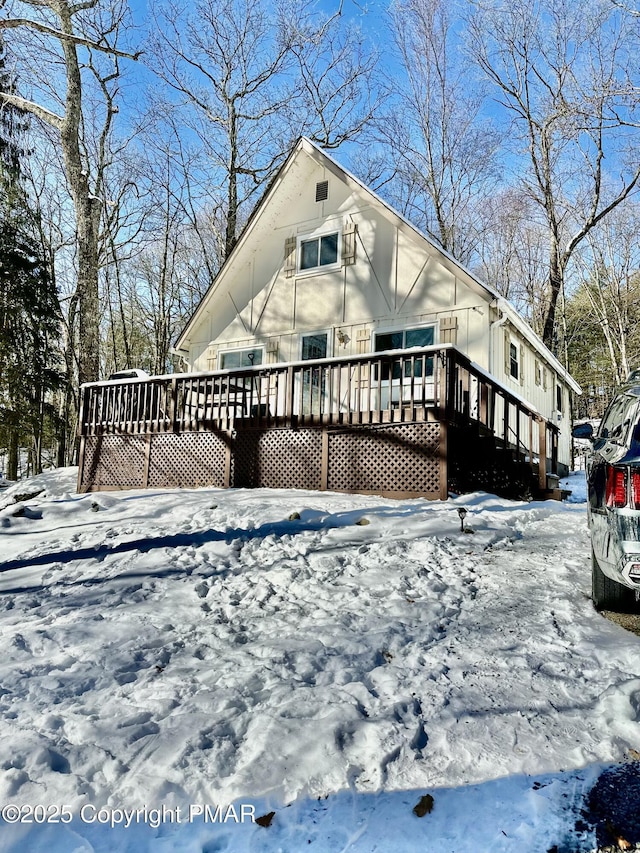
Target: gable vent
(322, 190)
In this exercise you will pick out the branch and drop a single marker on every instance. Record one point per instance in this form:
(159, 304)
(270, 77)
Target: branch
(79, 7)
(13, 23)
(35, 109)
(629, 11)
(594, 219)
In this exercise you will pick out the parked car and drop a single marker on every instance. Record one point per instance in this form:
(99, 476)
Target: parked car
(133, 373)
(613, 488)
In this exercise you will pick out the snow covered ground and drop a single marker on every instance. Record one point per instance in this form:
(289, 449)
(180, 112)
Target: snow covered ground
(333, 659)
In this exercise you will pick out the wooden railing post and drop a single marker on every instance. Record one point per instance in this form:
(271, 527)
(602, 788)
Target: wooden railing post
(483, 393)
(173, 405)
(505, 421)
(531, 441)
(84, 408)
(290, 395)
(446, 409)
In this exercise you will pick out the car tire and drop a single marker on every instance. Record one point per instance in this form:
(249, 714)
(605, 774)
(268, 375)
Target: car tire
(609, 595)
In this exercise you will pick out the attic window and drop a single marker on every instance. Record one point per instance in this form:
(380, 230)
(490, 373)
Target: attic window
(322, 251)
(322, 190)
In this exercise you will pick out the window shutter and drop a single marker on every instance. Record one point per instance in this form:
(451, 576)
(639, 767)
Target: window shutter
(507, 353)
(349, 243)
(363, 341)
(448, 330)
(521, 365)
(290, 245)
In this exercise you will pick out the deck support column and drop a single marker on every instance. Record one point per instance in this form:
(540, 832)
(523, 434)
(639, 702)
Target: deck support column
(542, 455)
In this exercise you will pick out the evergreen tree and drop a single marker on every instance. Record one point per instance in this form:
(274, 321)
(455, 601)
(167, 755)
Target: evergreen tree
(29, 308)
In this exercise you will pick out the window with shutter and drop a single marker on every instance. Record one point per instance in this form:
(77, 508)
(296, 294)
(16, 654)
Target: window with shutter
(318, 252)
(513, 358)
(423, 336)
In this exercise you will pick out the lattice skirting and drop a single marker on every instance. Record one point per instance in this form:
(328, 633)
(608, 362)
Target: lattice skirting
(404, 459)
(112, 462)
(187, 460)
(394, 459)
(278, 459)
(184, 460)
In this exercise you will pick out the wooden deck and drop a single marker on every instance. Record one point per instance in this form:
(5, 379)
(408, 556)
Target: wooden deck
(401, 423)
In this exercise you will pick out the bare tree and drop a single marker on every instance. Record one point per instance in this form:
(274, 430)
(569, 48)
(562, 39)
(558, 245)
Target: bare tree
(510, 253)
(610, 273)
(63, 43)
(562, 73)
(160, 252)
(443, 148)
(254, 77)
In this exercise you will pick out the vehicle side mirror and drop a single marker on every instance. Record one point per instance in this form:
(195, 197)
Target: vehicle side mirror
(582, 431)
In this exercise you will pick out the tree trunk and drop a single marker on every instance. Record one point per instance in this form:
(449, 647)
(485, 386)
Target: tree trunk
(232, 193)
(87, 210)
(88, 304)
(12, 456)
(556, 276)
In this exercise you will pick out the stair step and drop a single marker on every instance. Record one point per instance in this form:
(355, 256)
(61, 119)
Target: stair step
(553, 494)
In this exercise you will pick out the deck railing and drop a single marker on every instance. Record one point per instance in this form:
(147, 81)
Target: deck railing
(437, 382)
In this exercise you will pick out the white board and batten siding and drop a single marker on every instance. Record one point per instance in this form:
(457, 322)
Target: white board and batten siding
(386, 277)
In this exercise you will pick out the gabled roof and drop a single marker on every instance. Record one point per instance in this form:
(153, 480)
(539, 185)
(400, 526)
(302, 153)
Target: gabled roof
(325, 160)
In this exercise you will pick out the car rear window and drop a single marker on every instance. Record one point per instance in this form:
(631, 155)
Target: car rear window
(618, 418)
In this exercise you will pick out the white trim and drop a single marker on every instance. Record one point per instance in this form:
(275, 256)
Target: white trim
(330, 333)
(326, 161)
(516, 344)
(223, 352)
(318, 235)
(388, 329)
(530, 336)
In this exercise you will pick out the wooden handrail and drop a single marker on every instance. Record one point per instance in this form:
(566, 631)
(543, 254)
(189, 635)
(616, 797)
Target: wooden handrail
(371, 388)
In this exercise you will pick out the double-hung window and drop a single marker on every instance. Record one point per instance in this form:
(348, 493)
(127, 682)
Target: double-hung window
(318, 252)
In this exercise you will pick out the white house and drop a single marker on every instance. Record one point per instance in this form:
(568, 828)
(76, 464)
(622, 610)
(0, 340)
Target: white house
(326, 269)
